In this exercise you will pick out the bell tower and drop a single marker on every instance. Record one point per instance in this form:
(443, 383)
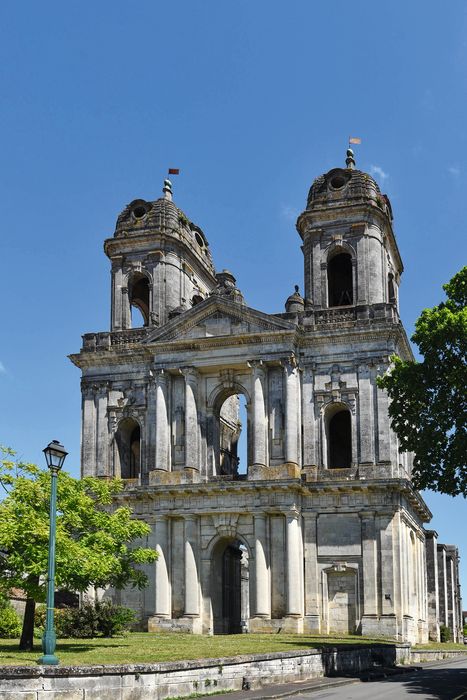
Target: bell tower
(161, 263)
(350, 253)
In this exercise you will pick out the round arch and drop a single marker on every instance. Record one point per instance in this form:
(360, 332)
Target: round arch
(338, 434)
(139, 285)
(127, 462)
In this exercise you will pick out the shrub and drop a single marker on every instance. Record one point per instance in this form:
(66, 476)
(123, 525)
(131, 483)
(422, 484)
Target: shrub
(444, 633)
(90, 620)
(10, 623)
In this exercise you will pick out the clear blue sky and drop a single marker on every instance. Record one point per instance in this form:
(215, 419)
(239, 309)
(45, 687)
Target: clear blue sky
(251, 100)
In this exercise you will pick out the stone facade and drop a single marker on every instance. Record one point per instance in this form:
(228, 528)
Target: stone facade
(324, 533)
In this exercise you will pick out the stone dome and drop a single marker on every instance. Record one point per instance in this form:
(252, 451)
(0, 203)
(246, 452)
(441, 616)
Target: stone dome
(341, 185)
(162, 216)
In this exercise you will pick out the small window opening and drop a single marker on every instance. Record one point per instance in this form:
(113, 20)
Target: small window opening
(197, 299)
(340, 440)
(391, 289)
(199, 239)
(139, 299)
(340, 286)
(128, 440)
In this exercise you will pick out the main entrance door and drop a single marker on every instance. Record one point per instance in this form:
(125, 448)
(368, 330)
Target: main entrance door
(226, 592)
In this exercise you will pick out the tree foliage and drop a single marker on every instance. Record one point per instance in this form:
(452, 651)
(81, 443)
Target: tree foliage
(96, 543)
(428, 407)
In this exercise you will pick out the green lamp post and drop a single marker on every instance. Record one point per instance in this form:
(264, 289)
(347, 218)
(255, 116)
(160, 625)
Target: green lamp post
(55, 455)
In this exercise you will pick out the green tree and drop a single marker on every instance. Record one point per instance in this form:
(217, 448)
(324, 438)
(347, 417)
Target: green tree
(96, 542)
(428, 407)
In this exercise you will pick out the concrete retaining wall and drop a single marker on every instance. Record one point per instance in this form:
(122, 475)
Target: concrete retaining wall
(165, 680)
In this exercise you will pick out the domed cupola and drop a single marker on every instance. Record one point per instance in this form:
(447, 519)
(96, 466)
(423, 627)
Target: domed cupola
(345, 186)
(161, 262)
(351, 256)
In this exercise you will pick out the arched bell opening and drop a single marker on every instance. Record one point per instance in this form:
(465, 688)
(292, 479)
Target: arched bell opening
(340, 280)
(231, 439)
(128, 440)
(391, 289)
(339, 438)
(138, 294)
(229, 586)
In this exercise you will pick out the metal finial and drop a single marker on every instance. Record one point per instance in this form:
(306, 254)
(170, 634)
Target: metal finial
(350, 160)
(167, 189)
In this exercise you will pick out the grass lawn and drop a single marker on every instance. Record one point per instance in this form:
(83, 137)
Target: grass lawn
(142, 647)
(441, 646)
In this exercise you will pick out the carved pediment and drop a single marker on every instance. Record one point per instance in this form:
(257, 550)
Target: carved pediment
(217, 317)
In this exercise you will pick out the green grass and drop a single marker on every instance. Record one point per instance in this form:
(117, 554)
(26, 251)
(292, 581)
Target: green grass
(441, 646)
(142, 647)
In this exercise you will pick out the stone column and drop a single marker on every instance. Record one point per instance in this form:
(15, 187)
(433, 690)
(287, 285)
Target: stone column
(191, 566)
(102, 442)
(151, 437)
(162, 606)
(191, 419)
(262, 587)
(292, 430)
(388, 527)
(259, 415)
(370, 573)
(310, 437)
(294, 565)
(162, 423)
(88, 432)
(312, 617)
(126, 311)
(366, 416)
(432, 584)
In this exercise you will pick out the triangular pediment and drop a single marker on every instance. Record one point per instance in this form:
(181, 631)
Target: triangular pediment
(216, 317)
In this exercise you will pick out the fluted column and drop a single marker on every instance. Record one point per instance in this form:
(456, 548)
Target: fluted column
(294, 565)
(151, 417)
(191, 566)
(162, 422)
(262, 587)
(162, 604)
(291, 411)
(191, 419)
(259, 414)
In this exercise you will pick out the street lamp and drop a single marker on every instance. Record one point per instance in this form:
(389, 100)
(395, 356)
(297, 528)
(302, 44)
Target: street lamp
(55, 455)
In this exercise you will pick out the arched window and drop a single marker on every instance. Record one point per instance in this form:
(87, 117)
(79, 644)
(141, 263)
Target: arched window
(128, 440)
(340, 284)
(138, 293)
(339, 434)
(232, 423)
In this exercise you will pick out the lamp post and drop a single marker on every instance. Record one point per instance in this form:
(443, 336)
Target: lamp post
(55, 455)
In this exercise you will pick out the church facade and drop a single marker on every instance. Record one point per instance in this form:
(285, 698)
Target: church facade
(323, 532)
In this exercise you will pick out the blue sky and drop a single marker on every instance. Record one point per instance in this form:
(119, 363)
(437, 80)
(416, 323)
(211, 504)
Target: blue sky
(251, 100)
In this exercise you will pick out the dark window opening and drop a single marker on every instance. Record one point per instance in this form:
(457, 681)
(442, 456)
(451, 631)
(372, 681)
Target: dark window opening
(197, 299)
(129, 448)
(391, 289)
(231, 589)
(340, 285)
(139, 298)
(340, 441)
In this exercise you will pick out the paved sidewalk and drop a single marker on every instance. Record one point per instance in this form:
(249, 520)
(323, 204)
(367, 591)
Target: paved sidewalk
(286, 689)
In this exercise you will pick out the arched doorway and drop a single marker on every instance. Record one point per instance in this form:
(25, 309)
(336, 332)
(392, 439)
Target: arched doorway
(229, 586)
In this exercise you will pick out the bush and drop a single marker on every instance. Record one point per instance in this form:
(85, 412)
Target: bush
(90, 620)
(444, 633)
(10, 623)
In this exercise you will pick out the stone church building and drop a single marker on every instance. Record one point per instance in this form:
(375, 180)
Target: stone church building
(323, 531)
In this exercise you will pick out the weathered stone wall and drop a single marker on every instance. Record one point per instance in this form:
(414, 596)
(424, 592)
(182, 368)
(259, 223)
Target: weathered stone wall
(179, 679)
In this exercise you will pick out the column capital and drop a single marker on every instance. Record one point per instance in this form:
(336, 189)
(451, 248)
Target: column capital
(289, 363)
(257, 366)
(190, 373)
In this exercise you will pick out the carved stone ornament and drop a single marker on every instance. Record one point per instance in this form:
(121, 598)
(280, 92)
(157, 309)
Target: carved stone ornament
(225, 524)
